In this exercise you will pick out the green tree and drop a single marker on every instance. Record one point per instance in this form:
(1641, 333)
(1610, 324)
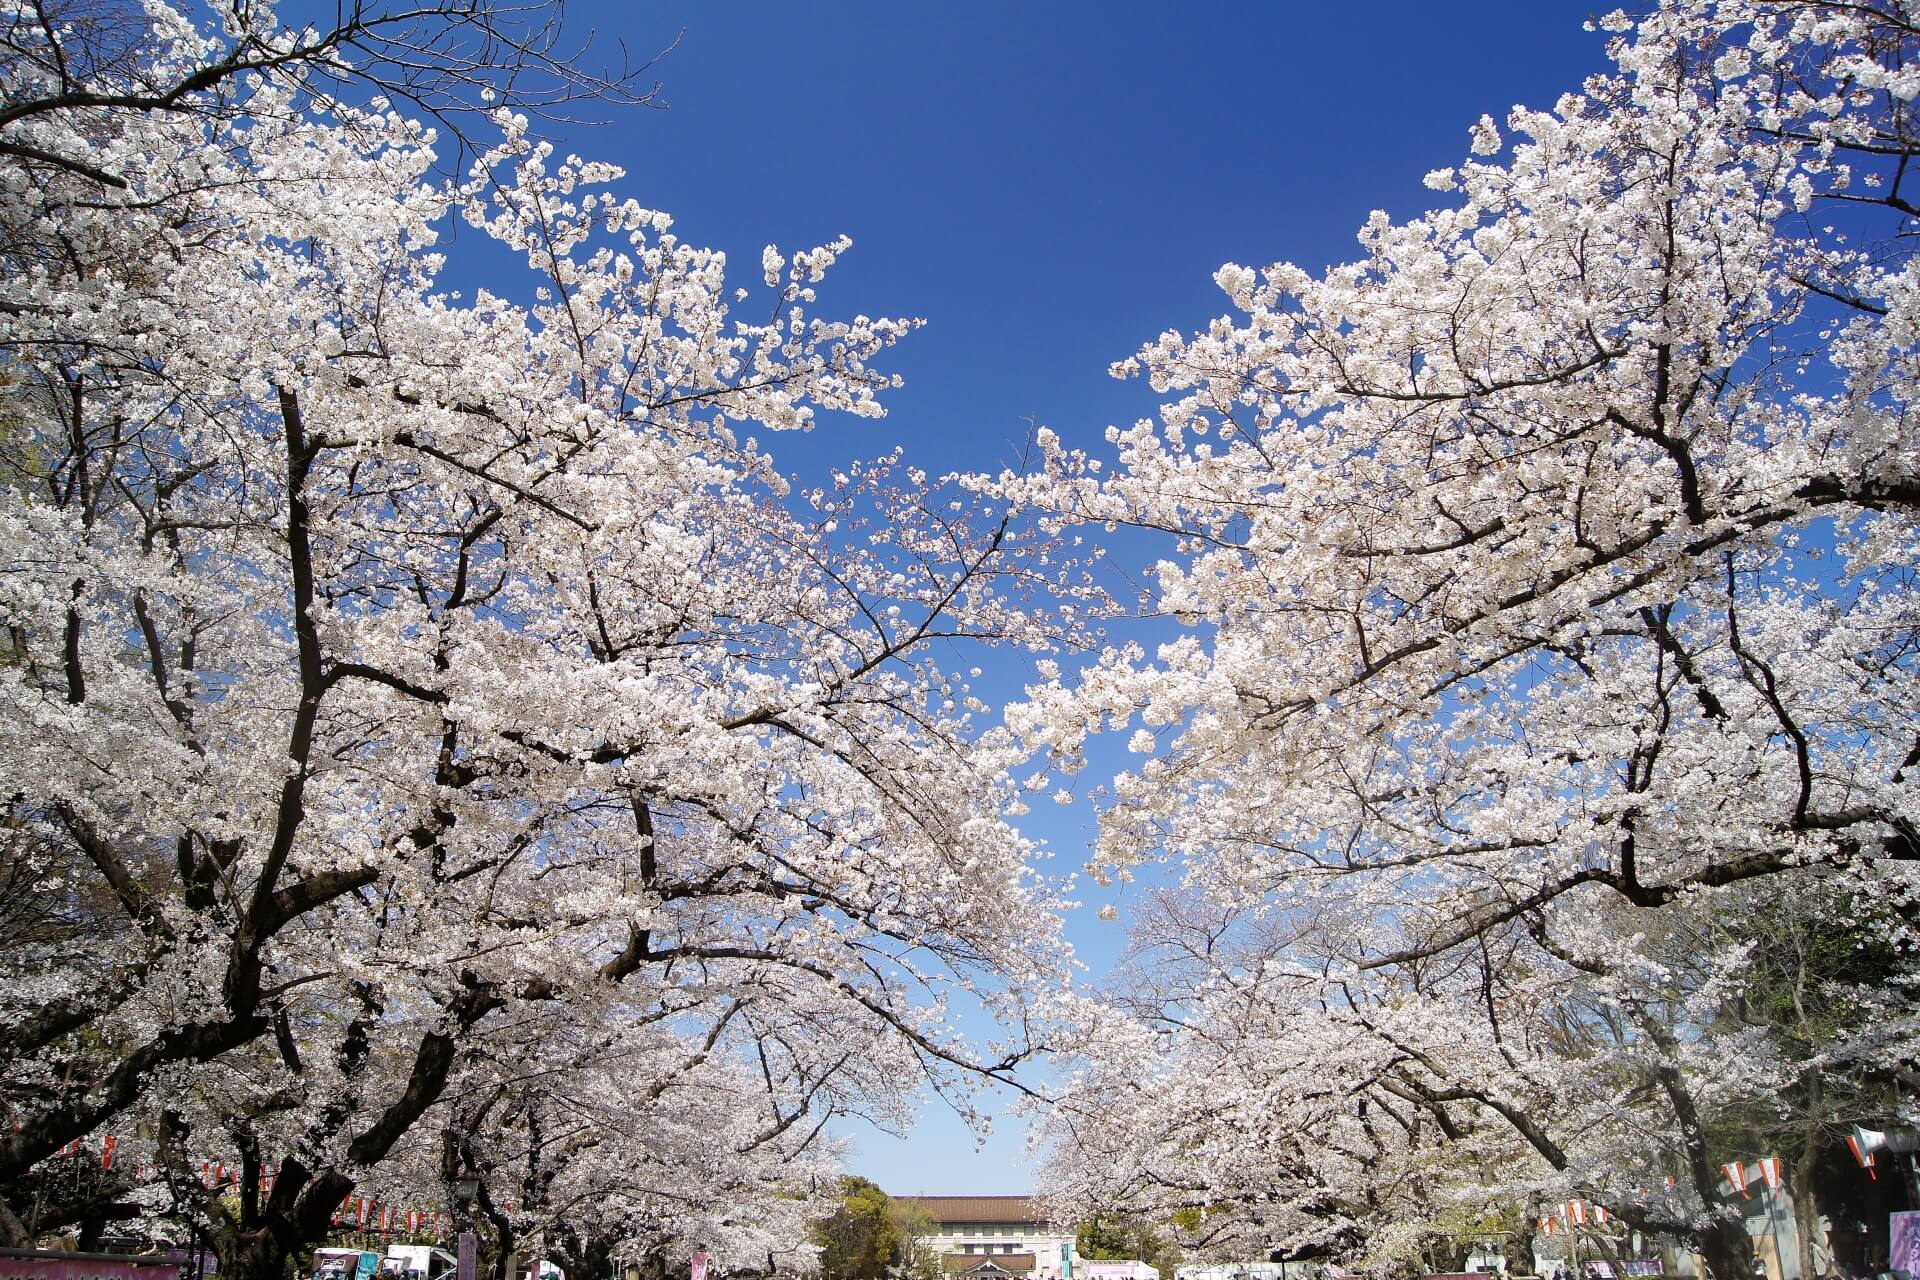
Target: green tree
(917, 1227)
(863, 1237)
(1111, 1236)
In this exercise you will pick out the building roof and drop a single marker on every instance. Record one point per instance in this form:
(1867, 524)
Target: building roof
(977, 1208)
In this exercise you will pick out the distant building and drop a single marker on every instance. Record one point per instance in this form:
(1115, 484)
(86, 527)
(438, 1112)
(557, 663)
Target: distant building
(993, 1237)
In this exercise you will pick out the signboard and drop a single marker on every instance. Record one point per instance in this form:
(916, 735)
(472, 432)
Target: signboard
(469, 1252)
(1903, 1242)
(35, 1264)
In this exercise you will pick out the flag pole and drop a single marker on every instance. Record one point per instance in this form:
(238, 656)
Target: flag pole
(1775, 1185)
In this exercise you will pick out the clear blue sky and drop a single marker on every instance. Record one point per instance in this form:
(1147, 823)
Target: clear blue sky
(1050, 186)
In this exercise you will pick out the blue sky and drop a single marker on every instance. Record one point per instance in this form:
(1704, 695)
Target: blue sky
(1050, 186)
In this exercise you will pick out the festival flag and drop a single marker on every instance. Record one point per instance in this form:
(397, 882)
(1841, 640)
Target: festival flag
(1580, 1212)
(1546, 1225)
(1736, 1177)
(360, 1208)
(106, 1152)
(386, 1216)
(1600, 1214)
(1864, 1156)
(1770, 1172)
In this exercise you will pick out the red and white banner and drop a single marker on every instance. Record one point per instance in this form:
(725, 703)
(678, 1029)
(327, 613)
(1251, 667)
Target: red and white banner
(1770, 1172)
(1736, 1176)
(360, 1208)
(106, 1152)
(1580, 1213)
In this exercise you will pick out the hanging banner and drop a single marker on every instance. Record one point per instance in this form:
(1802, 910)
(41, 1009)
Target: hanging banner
(1770, 1172)
(1862, 1154)
(106, 1152)
(1903, 1242)
(1736, 1177)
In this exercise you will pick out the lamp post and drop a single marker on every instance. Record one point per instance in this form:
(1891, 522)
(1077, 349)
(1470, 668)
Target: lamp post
(465, 1188)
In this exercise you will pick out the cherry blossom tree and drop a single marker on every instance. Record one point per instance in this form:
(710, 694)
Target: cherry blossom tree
(387, 665)
(1548, 575)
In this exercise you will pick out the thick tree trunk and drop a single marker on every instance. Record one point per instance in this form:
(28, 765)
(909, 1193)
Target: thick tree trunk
(1806, 1208)
(1519, 1245)
(501, 1261)
(291, 1221)
(252, 1255)
(1727, 1248)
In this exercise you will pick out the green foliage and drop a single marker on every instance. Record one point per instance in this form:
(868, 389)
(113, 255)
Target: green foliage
(1113, 1238)
(862, 1238)
(917, 1225)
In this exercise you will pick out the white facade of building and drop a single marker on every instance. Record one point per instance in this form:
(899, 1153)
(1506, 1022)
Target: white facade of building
(1003, 1229)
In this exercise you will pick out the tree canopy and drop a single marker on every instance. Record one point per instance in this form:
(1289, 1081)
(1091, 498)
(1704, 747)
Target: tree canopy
(1547, 575)
(441, 728)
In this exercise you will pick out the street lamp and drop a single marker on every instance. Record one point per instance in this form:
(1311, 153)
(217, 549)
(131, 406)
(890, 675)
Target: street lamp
(466, 1189)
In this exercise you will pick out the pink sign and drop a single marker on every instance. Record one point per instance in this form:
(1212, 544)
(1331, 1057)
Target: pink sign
(22, 1264)
(1903, 1242)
